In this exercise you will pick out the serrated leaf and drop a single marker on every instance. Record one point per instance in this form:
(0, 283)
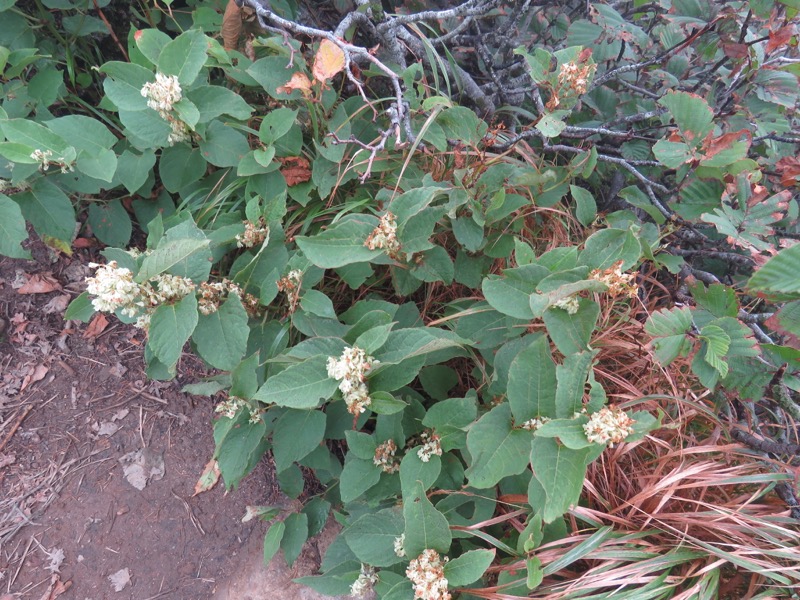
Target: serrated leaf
(779, 274)
(691, 113)
(669, 327)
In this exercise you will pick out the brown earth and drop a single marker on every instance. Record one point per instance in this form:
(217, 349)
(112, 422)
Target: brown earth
(73, 401)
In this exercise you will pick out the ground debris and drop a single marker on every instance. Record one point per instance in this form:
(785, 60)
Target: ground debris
(120, 580)
(141, 466)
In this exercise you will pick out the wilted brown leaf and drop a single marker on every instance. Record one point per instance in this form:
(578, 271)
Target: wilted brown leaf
(208, 478)
(715, 145)
(789, 168)
(328, 61)
(96, 326)
(231, 26)
(39, 284)
(295, 169)
(57, 304)
(299, 81)
(780, 38)
(36, 374)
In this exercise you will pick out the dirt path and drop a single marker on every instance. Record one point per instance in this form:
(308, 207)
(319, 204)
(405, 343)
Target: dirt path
(73, 402)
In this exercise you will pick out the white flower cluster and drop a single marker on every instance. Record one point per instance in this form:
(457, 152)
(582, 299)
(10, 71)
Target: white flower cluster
(254, 234)
(162, 94)
(113, 287)
(575, 77)
(618, 283)
(608, 426)
(384, 237)
(351, 369)
(290, 285)
(569, 304)
(535, 423)
(426, 572)
(230, 408)
(211, 296)
(399, 542)
(45, 159)
(365, 582)
(384, 457)
(431, 445)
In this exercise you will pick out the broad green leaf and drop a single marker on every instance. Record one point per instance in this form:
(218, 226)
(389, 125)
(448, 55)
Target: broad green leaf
(717, 343)
(84, 133)
(372, 537)
(720, 300)
(357, 477)
(80, 309)
(560, 471)
(531, 386)
(221, 337)
(180, 165)
(497, 449)
(510, 293)
(672, 154)
(572, 376)
(551, 125)
(35, 135)
(426, 527)
(12, 229)
(239, 446)
(303, 385)
(341, 244)
(779, 274)
(276, 124)
(124, 84)
(110, 223)
(571, 333)
(607, 246)
(297, 434)
(585, 205)
(223, 146)
(150, 42)
(414, 471)
(134, 169)
(691, 114)
(102, 167)
(317, 303)
(48, 209)
(170, 328)
(468, 568)
(294, 537)
(271, 73)
(213, 101)
(184, 56)
(184, 250)
(272, 540)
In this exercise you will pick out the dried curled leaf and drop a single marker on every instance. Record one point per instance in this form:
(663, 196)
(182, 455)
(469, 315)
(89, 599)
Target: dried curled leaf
(299, 81)
(208, 478)
(328, 61)
(231, 26)
(295, 169)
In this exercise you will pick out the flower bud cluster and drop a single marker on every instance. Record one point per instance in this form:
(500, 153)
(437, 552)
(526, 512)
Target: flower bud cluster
(365, 582)
(431, 446)
(211, 296)
(290, 285)
(45, 159)
(384, 457)
(426, 572)
(535, 423)
(569, 304)
(254, 234)
(399, 542)
(230, 408)
(162, 95)
(618, 283)
(575, 77)
(384, 237)
(351, 369)
(608, 426)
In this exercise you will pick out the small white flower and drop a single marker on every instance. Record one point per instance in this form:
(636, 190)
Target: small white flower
(608, 426)
(431, 446)
(351, 369)
(426, 572)
(163, 93)
(365, 582)
(535, 423)
(384, 237)
(399, 542)
(384, 457)
(569, 304)
(113, 288)
(230, 407)
(43, 157)
(254, 234)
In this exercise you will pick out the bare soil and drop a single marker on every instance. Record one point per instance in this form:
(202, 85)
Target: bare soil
(73, 401)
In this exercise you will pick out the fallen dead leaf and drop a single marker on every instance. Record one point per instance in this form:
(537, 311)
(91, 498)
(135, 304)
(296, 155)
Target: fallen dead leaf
(57, 304)
(295, 169)
(97, 325)
(208, 478)
(57, 587)
(37, 374)
(106, 428)
(328, 61)
(56, 558)
(83, 243)
(120, 579)
(39, 284)
(141, 466)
